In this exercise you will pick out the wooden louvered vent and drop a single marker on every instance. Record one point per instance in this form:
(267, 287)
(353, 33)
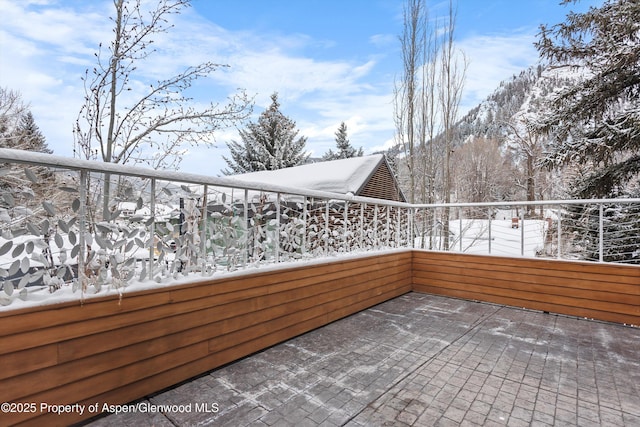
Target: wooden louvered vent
(382, 185)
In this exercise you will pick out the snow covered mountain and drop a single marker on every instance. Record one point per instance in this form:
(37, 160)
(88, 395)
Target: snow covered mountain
(517, 99)
(495, 147)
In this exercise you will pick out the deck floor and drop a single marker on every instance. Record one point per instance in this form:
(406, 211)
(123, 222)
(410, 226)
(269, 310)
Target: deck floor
(420, 360)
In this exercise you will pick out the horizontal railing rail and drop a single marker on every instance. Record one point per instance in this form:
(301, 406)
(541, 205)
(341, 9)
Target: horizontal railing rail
(602, 230)
(525, 203)
(76, 226)
(52, 161)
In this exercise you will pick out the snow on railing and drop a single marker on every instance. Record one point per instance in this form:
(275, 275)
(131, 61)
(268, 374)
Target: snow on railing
(64, 230)
(89, 227)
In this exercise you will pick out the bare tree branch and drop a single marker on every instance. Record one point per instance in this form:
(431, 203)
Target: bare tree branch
(154, 128)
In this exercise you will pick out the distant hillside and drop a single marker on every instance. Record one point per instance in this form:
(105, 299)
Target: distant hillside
(519, 96)
(505, 119)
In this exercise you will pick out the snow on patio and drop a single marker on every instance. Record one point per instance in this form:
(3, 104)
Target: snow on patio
(421, 360)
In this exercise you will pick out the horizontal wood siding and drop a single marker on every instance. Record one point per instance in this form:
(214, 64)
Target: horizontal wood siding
(112, 350)
(116, 351)
(599, 291)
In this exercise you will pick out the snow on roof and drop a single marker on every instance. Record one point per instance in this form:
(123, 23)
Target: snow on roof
(341, 176)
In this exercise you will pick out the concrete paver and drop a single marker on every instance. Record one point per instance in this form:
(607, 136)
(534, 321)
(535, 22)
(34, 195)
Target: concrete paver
(422, 360)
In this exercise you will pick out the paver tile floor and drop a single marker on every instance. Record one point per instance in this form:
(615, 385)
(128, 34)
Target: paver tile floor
(420, 360)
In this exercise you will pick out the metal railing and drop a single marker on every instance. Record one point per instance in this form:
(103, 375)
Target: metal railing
(600, 230)
(88, 226)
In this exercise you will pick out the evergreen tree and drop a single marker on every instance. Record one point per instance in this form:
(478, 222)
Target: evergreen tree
(29, 137)
(345, 149)
(18, 130)
(269, 144)
(596, 121)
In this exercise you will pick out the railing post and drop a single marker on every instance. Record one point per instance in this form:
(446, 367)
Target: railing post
(152, 226)
(460, 225)
(326, 227)
(601, 232)
(346, 220)
(203, 232)
(398, 230)
(375, 226)
(303, 250)
(489, 217)
(245, 226)
(411, 241)
(82, 224)
(434, 228)
(388, 231)
(361, 226)
(559, 240)
(522, 233)
(277, 239)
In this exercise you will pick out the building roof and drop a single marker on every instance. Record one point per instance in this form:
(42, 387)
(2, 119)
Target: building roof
(343, 176)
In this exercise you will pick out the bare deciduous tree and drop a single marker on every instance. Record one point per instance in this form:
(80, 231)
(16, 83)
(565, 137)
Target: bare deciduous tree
(11, 111)
(451, 85)
(429, 109)
(481, 172)
(426, 101)
(155, 126)
(528, 145)
(406, 90)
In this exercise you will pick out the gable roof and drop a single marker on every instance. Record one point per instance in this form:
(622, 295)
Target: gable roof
(343, 176)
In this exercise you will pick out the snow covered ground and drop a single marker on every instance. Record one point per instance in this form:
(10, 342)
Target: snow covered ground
(501, 238)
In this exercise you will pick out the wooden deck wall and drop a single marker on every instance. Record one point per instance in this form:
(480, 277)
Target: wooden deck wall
(112, 351)
(599, 291)
(118, 351)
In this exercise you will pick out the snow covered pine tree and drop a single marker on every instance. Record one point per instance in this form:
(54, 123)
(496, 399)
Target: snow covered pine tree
(597, 120)
(269, 144)
(345, 149)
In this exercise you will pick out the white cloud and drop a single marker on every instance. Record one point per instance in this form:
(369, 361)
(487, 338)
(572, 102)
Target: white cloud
(45, 50)
(492, 59)
(317, 94)
(383, 40)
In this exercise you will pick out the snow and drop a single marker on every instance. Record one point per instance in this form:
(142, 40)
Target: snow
(163, 213)
(505, 240)
(341, 176)
(40, 297)
(495, 237)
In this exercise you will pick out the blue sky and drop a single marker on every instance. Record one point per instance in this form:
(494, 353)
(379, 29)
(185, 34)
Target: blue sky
(329, 60)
